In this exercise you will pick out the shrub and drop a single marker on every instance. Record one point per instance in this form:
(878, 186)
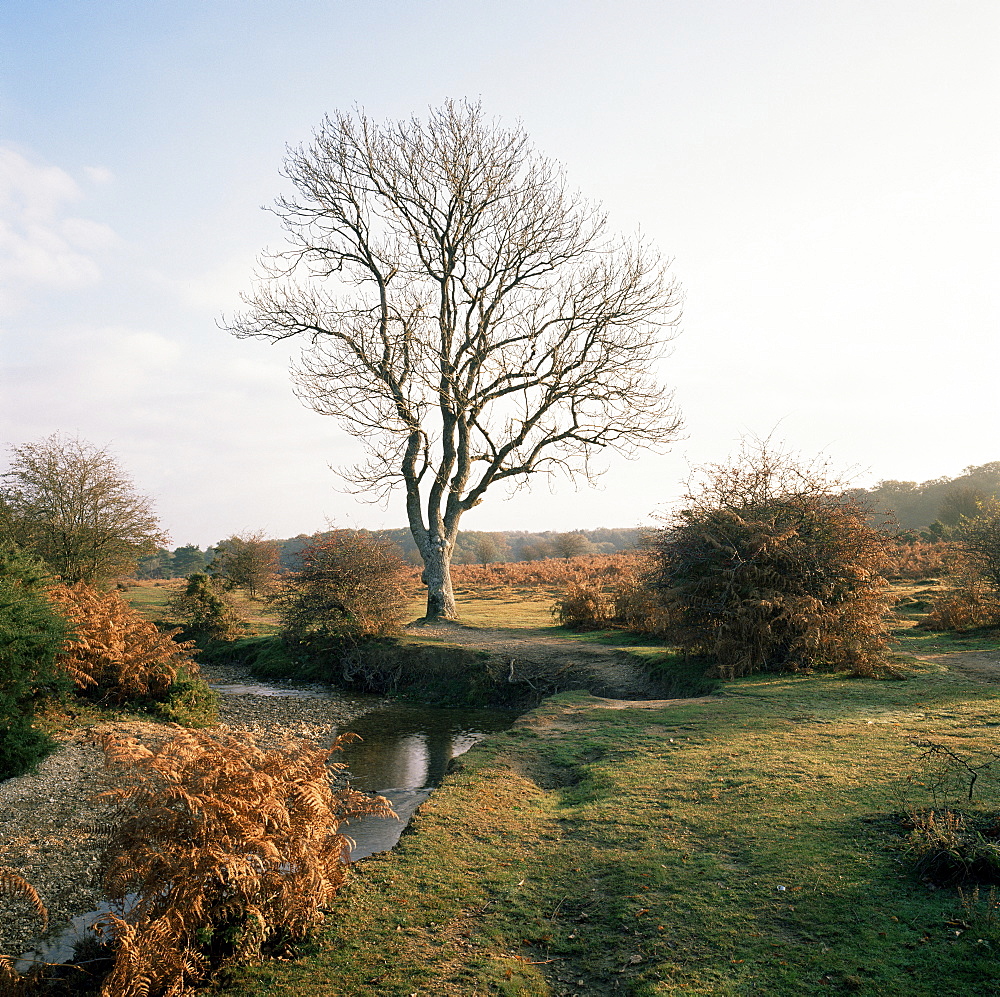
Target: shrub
(350, 589)
(614, 591)
(585, 606)
(920, 560)
(31, 635)
(227, 848)
(206, 612)
(968, 601)
(114, 652)
(772, 567)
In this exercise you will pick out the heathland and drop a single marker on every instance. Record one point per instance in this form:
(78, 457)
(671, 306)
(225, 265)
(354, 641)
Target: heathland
(673, 835)
(754, 840)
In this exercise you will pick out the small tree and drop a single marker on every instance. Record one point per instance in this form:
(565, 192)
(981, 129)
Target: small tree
(207, 613)
(350, 589)
(772, 566)
(70, 504)
(247, 561)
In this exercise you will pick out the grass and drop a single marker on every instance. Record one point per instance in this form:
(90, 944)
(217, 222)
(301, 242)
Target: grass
(747, 843)
(150, 598)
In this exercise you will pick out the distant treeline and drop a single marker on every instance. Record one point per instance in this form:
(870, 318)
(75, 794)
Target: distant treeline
(917, 506)
(472, 547)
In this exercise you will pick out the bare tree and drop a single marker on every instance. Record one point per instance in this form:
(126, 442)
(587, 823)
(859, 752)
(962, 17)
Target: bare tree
(69, 503)
(468, 317)
(246, 560)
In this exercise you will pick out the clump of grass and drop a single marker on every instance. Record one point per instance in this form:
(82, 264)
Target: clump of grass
(946, 849)
(981, 913)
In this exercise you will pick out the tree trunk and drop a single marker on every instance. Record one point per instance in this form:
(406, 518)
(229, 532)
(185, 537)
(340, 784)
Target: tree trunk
(437, 578)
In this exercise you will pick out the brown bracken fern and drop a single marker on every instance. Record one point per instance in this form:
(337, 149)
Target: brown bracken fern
(114, 650)
(219, 849)
(11, 981)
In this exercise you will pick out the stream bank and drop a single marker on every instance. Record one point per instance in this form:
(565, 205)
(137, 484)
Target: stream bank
(52, 818)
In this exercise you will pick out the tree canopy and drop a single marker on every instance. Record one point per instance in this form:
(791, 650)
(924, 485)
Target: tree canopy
(464, 314)
(69, 503)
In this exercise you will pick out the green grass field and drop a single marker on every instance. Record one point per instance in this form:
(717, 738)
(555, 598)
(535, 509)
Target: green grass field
(746, 843)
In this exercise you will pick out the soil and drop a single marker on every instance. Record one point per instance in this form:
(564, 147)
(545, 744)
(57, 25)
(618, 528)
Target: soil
(984, 666)
(604, 670)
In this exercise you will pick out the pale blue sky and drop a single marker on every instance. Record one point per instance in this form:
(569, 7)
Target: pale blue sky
(824, 175)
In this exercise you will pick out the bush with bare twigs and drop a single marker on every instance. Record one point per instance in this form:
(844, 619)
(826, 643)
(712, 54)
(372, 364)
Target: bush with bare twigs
(773, 567)
(229, 850)
(350, 589)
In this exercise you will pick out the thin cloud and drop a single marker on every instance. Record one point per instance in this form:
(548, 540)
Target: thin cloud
(42, 243)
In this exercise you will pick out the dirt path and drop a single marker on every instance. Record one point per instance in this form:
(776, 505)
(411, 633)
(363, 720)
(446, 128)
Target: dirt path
(605, 670)
(984, 666)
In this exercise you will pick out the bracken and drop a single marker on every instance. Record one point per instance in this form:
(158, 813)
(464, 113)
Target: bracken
(222, 849)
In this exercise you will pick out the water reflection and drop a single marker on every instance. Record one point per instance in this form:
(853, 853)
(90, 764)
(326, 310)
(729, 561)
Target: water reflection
(404, 754)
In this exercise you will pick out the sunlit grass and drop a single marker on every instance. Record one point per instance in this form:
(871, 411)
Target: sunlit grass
(741, 844)
(731, 846)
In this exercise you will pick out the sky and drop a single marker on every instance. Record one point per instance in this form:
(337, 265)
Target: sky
(823, 174)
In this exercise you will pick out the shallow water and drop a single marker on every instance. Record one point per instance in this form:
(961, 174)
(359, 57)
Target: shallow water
(404, 753)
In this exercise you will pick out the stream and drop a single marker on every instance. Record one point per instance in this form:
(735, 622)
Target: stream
(403, 755)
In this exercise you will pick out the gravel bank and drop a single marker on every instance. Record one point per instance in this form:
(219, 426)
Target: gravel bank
(49, 819)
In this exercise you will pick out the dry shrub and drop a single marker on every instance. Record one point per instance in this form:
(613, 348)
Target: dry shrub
(585, 606)
(11, 981)
(920, 560)
(967, 601)
(773, 567)
(113, 649)
(550, 575)
(619, 593)
(225, 848)
(350, 589)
